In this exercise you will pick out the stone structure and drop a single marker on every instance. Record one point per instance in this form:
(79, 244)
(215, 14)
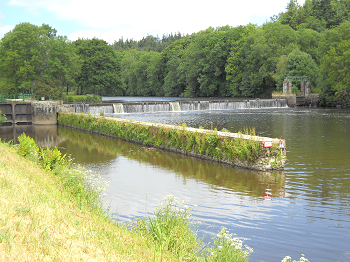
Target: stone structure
(272, 159)
(287, 86)
(305, 87)
(44, 113)
(308, 100)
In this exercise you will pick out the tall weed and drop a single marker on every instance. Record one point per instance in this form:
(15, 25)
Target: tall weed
(172, 228)
(51, 159)
(84, 186)
(27, 147)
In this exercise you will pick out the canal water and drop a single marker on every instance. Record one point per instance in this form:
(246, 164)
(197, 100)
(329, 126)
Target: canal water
(308, 213)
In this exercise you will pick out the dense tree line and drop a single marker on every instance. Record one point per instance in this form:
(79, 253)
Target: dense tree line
(36, 60)
(310, 40)
(149, 43)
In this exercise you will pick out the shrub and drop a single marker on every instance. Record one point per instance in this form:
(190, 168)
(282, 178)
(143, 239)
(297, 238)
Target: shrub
(51, 159)
(27, 147)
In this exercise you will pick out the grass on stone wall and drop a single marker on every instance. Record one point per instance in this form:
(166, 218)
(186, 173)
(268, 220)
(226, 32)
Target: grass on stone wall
(82, 98)
(208, 143)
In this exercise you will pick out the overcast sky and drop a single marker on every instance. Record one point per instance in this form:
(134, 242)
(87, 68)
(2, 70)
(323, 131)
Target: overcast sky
(111, 20)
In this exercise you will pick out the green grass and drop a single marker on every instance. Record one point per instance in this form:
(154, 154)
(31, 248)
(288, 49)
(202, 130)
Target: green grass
(52, 217)
(208, 143)
(82, 98)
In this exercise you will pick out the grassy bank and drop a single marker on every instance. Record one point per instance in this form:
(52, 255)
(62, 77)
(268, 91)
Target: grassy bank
(42, 220)
(50, 210)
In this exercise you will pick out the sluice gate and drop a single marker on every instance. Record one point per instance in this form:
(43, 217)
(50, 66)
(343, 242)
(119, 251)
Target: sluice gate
(37, 113)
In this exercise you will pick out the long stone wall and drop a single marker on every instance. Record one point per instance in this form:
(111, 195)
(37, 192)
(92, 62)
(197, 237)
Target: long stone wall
(154, 135)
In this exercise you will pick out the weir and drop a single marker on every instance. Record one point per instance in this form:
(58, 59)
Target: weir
(183, 106)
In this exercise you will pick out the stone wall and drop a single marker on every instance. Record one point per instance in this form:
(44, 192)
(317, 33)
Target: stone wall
(152, 134)
(312, 100)
(44, 113)
(291, 99)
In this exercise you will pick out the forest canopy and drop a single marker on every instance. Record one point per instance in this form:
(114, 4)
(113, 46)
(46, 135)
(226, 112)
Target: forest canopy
(309, 40)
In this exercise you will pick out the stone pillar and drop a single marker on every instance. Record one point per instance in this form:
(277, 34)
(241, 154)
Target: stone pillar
(305, 87)
(287, 86)
(44, 113)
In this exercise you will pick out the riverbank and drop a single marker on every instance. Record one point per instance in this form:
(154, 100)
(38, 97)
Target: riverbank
(41, 221)
(51, 210)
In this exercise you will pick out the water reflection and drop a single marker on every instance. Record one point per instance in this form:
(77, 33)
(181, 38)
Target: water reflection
(309, 211)
(44, 135)
(82, 146)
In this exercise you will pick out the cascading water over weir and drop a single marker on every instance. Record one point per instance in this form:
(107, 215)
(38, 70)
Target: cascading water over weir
(153, 107)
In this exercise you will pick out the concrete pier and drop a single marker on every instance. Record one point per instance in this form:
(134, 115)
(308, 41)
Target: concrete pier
(44, 113)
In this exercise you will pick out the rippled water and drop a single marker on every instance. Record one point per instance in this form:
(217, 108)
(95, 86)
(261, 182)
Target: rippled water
(310, 209)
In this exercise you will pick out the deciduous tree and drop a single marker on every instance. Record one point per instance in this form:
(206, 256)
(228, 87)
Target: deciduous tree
(101, 68)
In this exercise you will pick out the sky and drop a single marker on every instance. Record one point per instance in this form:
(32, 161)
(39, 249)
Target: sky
(134, 19)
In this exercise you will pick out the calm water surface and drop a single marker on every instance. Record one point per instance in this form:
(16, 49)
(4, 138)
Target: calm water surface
(310, 209)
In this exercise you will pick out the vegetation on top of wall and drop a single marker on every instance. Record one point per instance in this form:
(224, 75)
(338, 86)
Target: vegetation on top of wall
(83, 98)
(208, 143)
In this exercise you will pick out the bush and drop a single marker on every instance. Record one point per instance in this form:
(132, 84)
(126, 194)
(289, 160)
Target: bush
(51, 159)
(207, 143)
(27, 147)
(172, 229)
